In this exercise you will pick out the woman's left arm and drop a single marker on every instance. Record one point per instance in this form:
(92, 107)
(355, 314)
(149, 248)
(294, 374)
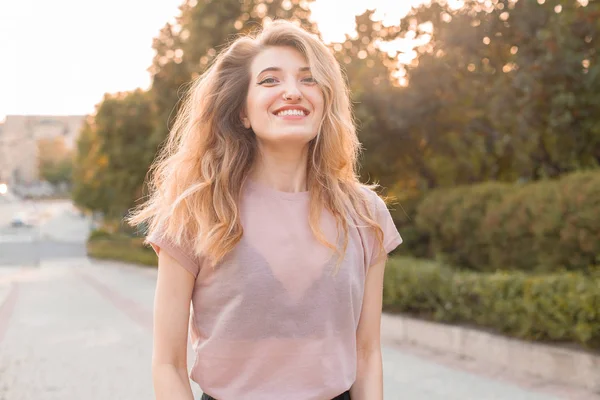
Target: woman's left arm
(369, 369)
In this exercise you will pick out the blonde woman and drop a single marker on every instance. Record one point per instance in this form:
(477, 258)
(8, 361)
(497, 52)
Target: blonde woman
(259, 221)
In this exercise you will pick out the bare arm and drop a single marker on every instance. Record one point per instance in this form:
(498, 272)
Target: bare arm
(171, 317)
(369, 368)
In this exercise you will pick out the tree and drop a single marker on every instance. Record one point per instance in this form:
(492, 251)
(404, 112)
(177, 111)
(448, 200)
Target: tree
(57, 173)
(55, 164)
(89, 171)
(369, 72)
(558, 67)
(115, 152)
(500, 90)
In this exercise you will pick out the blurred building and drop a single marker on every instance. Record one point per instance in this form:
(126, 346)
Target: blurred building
(3, 157)
(20, 137)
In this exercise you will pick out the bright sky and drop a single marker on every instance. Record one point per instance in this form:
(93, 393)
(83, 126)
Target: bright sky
(61, 56)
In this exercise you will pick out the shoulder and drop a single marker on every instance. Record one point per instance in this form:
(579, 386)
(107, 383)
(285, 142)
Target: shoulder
(372, 199)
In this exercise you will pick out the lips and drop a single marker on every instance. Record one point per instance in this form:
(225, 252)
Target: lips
(284, 108)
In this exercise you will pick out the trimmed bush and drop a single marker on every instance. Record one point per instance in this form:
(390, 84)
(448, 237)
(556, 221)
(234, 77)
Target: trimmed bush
(453, 219)
(547, 226)
(542, 226)
(404, 213)
(513, 227)
(120, 247)
(579, 238)
(560, 307)
(99, 234)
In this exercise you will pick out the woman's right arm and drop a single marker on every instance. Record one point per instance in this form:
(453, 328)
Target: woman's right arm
(171, 318)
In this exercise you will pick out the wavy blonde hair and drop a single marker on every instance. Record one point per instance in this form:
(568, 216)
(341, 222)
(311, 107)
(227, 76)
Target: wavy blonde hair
(197, 178)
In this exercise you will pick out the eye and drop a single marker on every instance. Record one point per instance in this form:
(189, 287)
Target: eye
(309, 79)
(267, 81)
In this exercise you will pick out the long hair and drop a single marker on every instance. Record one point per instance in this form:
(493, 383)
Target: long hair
(197, 178)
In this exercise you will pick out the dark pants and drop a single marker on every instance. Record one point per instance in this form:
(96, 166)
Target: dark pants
(343, 396)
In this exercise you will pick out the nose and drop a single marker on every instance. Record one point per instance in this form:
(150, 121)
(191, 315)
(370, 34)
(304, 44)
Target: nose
(291, 91)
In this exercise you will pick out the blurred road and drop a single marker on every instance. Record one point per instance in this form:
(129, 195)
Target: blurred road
(58, 231)
(73, 328)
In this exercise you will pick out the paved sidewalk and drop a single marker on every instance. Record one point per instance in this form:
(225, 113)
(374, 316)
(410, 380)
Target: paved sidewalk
(66, 341)
(409, 377)
(82, 330)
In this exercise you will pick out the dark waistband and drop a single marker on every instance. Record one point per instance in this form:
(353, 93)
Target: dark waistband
(343, 396)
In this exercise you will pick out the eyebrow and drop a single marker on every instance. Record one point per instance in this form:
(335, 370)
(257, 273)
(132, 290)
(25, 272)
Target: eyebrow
(277, 69)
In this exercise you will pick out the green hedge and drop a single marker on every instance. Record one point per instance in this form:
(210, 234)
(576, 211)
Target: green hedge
(526, 222)
(404, 213)
(453, 220)
(561, 307)
(120, 247)
(547, 226)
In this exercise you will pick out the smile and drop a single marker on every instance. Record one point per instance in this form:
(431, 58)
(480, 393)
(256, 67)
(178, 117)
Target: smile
(286, 113)
(291, 112)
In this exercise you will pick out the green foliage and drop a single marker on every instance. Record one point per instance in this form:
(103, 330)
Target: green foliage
(510, 227)
(375, 99)
(116, 149)
(57, 172)
(115, 241)
(89, 171)
(499, 91)
(99, 234)
(561, 307)
(579, 202)
(416, 242)
(119, 248)
(547, 225)
(453, 219)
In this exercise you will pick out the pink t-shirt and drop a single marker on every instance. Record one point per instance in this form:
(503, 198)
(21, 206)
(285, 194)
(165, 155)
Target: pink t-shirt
(270, 321)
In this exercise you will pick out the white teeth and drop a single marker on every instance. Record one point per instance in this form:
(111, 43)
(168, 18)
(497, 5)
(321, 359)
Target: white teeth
(290, 112)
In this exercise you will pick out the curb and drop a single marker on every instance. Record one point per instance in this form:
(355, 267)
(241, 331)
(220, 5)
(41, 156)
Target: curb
(8, 299)
(555, 364)
(5, 289)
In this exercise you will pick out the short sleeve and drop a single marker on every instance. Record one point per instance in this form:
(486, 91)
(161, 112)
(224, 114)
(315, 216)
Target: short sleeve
(391, 237)
(185, 257)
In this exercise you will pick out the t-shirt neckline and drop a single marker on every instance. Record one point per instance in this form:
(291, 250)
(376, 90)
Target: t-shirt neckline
(272, 192)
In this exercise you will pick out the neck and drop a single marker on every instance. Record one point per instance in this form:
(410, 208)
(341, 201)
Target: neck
(281, 169)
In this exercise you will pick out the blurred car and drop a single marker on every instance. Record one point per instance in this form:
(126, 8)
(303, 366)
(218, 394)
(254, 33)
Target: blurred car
(23, 218)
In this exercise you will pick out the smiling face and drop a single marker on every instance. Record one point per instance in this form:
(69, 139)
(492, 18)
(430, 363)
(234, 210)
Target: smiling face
(284, 102)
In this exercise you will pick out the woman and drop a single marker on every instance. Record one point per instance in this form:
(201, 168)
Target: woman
(258, 219)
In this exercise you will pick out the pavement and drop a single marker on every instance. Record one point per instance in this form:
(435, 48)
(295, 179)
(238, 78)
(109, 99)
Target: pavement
(74, 328)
